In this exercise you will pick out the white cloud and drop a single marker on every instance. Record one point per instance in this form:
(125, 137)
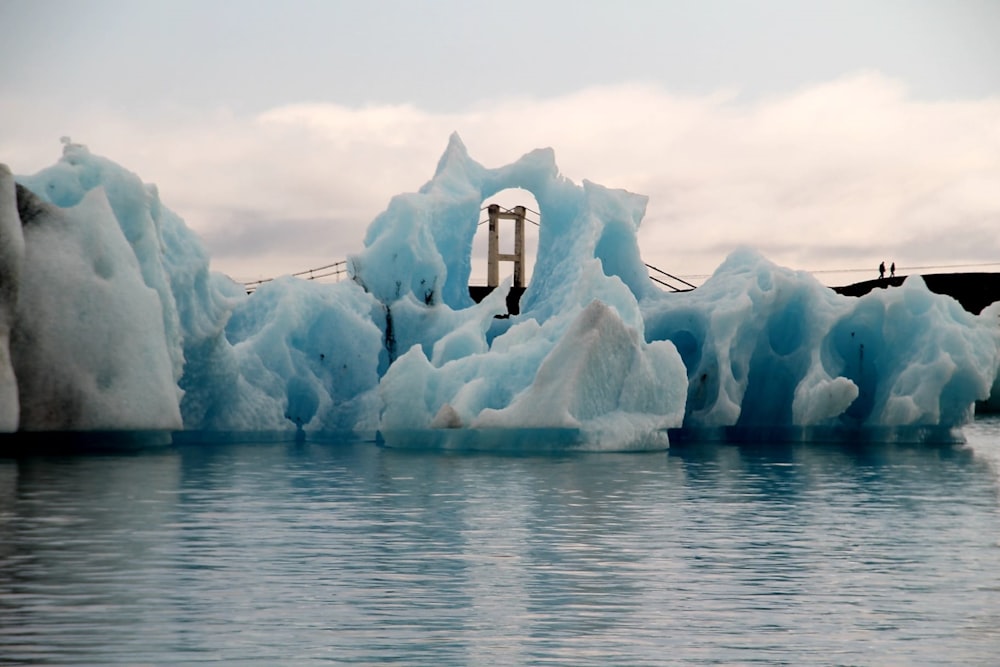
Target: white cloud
(831, 176)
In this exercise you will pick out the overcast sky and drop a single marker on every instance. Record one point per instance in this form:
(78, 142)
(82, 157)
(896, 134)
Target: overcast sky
(829, 135)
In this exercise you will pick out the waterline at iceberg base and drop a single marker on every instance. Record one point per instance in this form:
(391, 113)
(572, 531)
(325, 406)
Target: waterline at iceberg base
(112, 321)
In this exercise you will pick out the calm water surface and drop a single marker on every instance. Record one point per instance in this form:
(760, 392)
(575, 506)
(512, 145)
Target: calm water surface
(350, 553)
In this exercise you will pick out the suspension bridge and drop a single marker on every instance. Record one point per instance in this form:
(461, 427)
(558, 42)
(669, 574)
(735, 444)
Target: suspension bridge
(973, 290)
(337, 271)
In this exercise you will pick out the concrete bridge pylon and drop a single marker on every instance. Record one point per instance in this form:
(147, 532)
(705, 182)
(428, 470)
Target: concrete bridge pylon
(496, 214)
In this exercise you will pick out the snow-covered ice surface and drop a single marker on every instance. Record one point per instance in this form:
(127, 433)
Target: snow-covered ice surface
(111, 319)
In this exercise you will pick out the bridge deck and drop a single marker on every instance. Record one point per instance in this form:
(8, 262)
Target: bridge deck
(974, 291)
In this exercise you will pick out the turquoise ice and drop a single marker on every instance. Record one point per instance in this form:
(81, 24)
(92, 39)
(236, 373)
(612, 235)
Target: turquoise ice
(111, 318)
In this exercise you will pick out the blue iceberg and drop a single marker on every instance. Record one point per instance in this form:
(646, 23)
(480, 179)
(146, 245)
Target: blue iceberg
(111, 319)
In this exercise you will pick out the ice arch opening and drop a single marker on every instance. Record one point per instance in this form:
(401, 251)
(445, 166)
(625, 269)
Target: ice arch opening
(507, 199)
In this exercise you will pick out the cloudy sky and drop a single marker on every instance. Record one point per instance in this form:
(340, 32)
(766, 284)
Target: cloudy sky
(830, 135)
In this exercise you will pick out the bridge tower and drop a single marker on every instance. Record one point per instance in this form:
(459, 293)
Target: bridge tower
(495, 256)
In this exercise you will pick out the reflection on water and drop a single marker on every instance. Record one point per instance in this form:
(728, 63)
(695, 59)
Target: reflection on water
(280, 553)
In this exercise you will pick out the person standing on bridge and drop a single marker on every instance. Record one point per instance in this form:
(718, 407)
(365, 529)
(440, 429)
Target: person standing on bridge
(892, 270)
(881, 271)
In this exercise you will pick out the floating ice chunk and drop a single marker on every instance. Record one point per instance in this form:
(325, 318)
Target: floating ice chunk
(88, 345)
(934, 359)
(408, 393)
(599, 379)
(991, 318)
(770, 347)
(134, 208)
(603, 379)
(194, 303)
(11, 261)
(303, 354)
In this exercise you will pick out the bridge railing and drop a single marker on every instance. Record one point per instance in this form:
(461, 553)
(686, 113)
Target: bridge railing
(687, 287)
(337, 271)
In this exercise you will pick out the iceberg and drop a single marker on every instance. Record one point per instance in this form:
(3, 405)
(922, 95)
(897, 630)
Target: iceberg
(87, 345)
(769, 348)
(11, 264)
(111, 319)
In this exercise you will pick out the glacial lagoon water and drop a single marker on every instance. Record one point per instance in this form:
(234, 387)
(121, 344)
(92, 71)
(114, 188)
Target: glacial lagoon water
(277, 553)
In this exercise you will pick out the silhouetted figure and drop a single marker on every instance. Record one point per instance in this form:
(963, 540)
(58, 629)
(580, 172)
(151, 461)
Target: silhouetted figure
(881, 271)
(892, 270)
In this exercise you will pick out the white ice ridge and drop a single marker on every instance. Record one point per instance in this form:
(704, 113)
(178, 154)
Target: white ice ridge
(111, 319)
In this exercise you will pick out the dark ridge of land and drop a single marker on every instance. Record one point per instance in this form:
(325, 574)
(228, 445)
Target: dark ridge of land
(974, 291)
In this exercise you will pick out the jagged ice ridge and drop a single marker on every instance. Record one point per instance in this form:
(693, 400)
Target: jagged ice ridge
(110, 319)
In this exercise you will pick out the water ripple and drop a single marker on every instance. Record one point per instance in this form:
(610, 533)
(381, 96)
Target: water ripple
(289, 553)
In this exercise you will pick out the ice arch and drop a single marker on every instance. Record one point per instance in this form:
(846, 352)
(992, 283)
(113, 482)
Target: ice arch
(421, 245)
